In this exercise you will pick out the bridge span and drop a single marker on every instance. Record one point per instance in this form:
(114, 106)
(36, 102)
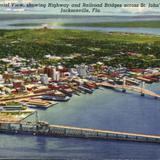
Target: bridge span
(45, 129)
(135, 89)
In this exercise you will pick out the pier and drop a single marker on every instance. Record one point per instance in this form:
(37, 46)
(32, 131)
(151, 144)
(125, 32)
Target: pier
(41, 128)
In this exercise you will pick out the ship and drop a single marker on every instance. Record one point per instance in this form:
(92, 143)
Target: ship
(55, 98)
(11, 108)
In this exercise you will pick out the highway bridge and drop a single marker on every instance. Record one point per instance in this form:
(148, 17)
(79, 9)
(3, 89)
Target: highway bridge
(135, 89)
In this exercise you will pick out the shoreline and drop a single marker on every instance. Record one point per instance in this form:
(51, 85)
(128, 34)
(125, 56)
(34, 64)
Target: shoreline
(121, 30)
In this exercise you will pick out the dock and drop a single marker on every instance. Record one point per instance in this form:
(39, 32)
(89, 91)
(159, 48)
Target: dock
(9, 116)
(41, 128)
(38, 103)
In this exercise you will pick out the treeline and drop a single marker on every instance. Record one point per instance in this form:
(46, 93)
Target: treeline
(106, 48)
(92, 46)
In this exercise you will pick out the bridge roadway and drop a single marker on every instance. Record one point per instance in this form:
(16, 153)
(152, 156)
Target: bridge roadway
(70, 131)
(137, 89)
(45, 129)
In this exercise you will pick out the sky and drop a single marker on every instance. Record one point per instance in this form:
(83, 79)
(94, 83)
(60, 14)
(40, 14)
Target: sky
(57, 10)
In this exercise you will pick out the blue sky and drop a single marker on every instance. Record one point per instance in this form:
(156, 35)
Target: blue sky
(104, 11)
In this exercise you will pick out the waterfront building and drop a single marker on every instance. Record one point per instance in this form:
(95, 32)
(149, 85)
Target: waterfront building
(9, 70)
(40, 70)
(48, 70)
(53, 57)
(7, 76)
(1, 78)
(17, 83)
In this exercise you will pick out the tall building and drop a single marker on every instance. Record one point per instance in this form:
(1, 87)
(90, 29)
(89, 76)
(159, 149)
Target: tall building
(44, 78)
(82, 70)
(73, 72)
(49, 70)
(56, 75)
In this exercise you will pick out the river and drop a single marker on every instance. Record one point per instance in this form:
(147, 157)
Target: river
(104, 109)
(24, 22)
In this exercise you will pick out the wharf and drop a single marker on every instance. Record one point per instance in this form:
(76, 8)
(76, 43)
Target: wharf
(38, 103)
(18, 111)
(8, 99)
(15, 116)
(144, 79)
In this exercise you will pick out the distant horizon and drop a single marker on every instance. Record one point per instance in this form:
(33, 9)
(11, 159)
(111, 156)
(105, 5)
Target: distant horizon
(6, 17)
(67, 15)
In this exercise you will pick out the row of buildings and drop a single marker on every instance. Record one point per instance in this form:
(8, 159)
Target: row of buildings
(21, 74)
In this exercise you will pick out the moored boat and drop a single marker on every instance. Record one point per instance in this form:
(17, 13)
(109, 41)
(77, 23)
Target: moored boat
(55, 98)
(87, 90)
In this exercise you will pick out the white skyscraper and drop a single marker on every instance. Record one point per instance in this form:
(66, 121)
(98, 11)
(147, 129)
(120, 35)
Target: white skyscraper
(82, 70)
(56, 75)
(44, 78)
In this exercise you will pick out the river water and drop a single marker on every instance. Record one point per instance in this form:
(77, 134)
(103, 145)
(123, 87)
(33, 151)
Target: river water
(104, 109)
(20, 22)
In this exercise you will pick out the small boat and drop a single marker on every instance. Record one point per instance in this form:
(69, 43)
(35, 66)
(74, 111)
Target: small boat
(87, 90)
(36, 106)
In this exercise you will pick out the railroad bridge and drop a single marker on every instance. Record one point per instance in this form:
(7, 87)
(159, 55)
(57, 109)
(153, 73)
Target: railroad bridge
(44, 129)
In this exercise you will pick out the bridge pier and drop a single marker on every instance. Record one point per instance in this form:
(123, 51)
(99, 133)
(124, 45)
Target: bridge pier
(142, 94)
(142, 88)
(124, 84)
(20, 127)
